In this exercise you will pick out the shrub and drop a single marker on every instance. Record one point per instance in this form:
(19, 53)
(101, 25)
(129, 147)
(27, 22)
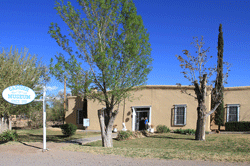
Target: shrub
(9, 136)
(138, 134)
(237, 126)
(124, 135)
(162, 129)
(185, 131)
(68, 129)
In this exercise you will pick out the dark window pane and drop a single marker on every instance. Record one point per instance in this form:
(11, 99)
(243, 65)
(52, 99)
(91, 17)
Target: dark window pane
(80, 116)
(180, 115)
(232, 113)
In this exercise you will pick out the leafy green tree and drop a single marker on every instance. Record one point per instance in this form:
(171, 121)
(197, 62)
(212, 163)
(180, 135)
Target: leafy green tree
(71, 70)
(56, 109)
(219, 113)
(111, 39)
(198, 74)
(71, 73)
(18, 68)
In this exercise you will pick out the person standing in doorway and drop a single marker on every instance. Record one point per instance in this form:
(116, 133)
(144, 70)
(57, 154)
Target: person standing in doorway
(146, 123)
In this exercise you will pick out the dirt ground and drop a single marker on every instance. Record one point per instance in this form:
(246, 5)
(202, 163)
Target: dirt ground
(31, 154)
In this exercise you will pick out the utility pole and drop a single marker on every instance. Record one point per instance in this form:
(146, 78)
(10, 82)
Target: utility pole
(64, 103)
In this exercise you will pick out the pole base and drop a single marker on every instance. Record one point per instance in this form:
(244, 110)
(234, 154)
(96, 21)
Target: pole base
(45, 150)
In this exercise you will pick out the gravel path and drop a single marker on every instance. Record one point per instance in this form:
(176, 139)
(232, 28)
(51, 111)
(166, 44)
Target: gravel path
(31, 155)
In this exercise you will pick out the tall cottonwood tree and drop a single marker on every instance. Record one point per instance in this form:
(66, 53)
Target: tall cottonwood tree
(71, 73)
(111, 39)
(71, 70)
(198, 74)
(19, 68)
(219, 113)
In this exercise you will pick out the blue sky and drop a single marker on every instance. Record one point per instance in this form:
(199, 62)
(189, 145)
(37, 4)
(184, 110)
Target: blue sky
(172, 24)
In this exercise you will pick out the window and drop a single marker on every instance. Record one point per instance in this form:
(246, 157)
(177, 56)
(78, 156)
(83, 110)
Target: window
(180, 115)
(233, 111)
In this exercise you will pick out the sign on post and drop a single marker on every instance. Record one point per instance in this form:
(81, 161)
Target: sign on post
(18, 94)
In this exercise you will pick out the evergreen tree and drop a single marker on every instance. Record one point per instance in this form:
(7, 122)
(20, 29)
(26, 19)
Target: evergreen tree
(219, 113)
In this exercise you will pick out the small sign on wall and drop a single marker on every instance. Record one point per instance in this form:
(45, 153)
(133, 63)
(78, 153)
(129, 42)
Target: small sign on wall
(85, 122)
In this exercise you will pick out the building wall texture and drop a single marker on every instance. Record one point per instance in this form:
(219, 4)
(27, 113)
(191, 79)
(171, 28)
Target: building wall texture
(241, 96)
(161, 100)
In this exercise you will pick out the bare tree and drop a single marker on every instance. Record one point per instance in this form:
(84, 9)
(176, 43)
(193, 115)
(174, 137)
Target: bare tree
(194, 67)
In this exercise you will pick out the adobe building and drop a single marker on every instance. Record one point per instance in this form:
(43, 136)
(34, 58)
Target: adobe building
(162, 105)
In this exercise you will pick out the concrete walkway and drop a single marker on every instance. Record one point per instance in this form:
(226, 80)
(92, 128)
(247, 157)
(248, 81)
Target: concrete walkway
(83, 141)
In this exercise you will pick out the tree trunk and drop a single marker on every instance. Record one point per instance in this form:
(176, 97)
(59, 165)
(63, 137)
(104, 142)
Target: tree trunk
(5, 123)
(106, 128)
(201, 92)
(2, 125)
(64, 100)
(201, 127)
(198, 125)
(107, 140)
(9, 123)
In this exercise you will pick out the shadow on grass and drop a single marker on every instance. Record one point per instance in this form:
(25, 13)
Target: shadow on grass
(169, 137)
(39, 138)
(56, 126)
(3, 142)
(98, 143)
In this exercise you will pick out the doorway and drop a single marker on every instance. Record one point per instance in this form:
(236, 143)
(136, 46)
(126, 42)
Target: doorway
(139, 115)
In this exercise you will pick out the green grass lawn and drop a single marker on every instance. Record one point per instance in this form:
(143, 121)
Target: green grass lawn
(36, 135)
(217, 147)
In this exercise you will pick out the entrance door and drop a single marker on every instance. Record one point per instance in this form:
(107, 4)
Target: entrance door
(141, 114)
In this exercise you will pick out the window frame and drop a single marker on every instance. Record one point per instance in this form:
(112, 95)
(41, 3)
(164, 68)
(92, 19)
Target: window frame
(184, 116)
(237, 112)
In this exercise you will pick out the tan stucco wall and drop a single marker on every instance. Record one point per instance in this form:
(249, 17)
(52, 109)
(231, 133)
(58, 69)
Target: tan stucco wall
(239, 95)
(161, 99)
(74, 104)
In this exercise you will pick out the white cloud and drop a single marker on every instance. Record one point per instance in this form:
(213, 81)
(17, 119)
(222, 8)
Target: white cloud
(51, 88)
(67, 90)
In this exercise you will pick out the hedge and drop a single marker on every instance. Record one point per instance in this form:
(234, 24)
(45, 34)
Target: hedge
(237, 126)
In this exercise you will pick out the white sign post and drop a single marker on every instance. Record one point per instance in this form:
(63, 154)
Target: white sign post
(44, 118)
(20, 95)
(86, 123)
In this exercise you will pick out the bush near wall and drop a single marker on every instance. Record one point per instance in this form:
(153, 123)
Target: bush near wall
(185, 131)
(162, 129)
(69, 129)
(124, 135)
(237, 126)
(9, 135)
